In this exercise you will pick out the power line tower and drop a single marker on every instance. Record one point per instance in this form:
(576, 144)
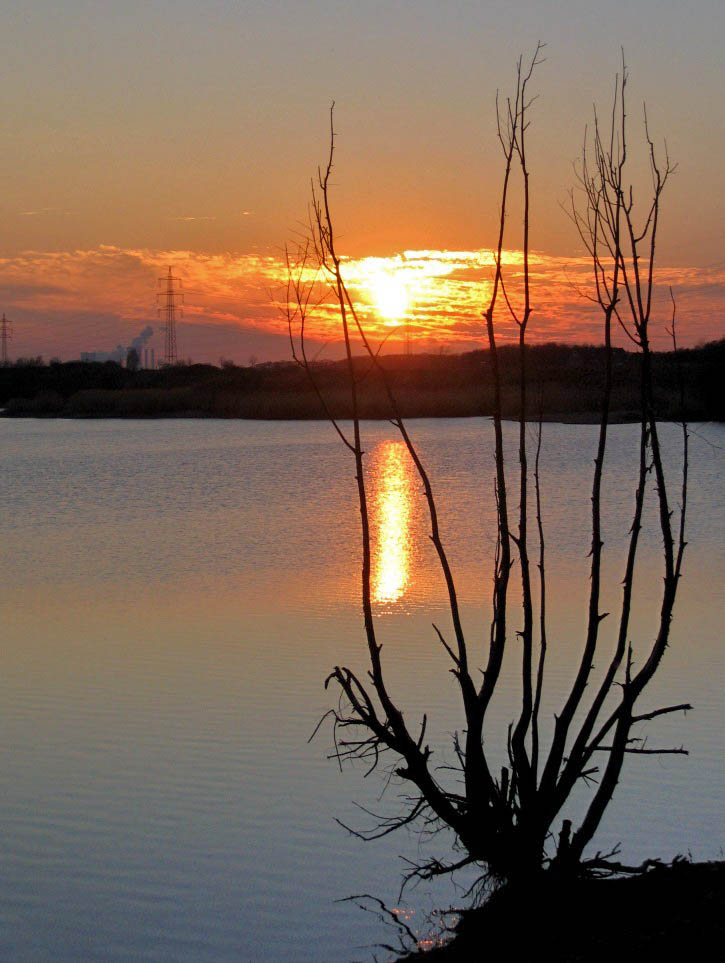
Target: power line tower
(173, 298)
(5, 333)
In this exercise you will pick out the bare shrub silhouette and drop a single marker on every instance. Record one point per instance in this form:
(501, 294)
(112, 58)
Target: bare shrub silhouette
(505, 821)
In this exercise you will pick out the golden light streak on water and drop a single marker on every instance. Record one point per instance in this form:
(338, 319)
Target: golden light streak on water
(392, 503)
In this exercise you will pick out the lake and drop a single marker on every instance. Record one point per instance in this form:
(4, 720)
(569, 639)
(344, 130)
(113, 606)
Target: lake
(174, 594)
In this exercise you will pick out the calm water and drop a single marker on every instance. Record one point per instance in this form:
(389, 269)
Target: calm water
(174, 594)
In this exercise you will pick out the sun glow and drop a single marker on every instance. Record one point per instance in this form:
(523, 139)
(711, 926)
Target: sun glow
(385, 285)
(391, 297)
(437, 296)
(427, 292)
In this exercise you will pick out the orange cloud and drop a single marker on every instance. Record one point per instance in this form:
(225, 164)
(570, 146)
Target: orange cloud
(437, 295)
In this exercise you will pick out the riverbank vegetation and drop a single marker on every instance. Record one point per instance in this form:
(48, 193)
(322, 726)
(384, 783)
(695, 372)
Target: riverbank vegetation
(567, 378)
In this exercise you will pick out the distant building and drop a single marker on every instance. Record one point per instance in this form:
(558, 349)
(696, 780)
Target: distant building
(146, 356)
(118, 355)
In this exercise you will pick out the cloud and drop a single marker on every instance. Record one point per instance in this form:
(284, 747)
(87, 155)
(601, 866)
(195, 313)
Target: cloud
(59, 293)
(17, 293)
(43, 212)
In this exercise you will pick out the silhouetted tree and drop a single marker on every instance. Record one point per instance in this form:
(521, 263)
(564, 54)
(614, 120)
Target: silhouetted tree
(505, 821)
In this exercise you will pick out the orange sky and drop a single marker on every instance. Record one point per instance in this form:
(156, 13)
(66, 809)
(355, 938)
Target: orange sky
(140, 135)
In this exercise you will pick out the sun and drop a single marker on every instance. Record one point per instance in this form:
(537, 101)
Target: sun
(390, 295)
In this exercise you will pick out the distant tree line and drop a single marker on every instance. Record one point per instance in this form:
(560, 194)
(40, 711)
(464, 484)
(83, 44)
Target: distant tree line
(565, 380)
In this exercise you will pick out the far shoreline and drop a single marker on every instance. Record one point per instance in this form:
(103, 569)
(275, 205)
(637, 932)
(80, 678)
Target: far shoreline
(565, 384)
(575, 418)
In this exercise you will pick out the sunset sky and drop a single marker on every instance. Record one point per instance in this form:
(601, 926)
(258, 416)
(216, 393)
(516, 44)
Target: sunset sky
(142, 135)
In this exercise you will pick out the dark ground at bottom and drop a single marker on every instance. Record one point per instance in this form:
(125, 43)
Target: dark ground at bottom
(668, 913)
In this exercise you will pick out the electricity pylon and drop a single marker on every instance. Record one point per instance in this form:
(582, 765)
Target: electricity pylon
(173, 299)
(5, 333)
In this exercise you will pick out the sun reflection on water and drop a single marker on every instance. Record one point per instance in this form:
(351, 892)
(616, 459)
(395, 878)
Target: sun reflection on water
(391, 521)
